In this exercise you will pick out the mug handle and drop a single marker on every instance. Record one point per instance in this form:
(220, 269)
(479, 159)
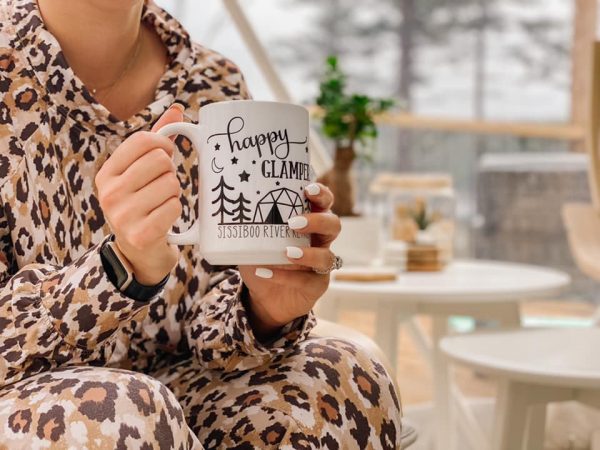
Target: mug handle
(190, 131)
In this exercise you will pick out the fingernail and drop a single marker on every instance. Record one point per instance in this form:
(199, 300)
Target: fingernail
(313, 189)
(263, 273)
(178, 106)
(298, 222)
(294, 252)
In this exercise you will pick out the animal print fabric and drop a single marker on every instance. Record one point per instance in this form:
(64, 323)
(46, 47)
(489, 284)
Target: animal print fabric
(84, 366)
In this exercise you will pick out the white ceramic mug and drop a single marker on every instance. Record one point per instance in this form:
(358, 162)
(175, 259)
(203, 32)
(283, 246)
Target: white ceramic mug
(253, 168)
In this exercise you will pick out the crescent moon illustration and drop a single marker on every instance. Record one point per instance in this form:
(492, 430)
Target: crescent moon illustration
(215, 168)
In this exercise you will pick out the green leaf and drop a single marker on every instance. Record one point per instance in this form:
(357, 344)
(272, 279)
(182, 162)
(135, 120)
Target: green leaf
(347, 117)
(332, 62)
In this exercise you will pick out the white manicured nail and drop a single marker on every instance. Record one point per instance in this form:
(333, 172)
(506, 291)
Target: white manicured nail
(313, 189)
(298, 222)
(261, 272)
(294, 252)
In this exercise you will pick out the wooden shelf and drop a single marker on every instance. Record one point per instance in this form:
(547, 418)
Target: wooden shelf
(558, 131)
(553, 131)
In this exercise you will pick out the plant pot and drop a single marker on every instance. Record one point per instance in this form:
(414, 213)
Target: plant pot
(339, 180)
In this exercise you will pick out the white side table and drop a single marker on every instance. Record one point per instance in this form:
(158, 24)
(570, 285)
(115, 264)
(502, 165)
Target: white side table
(534, 368)
(480, 289)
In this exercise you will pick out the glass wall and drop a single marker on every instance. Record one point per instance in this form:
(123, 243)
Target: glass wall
(466, 59)
(502, 59)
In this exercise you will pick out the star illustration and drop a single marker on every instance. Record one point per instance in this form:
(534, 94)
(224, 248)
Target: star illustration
(278, 184)
(244, 176)
(217, 146)
(234, 160)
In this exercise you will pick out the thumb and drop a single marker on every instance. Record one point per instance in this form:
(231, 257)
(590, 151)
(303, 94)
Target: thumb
(171, 115)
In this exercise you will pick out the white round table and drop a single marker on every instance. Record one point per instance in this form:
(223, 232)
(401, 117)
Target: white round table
(534, 367)
(479, 289)
(464, 280)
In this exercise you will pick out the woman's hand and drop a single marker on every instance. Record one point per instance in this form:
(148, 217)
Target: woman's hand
(280, 294)
(138, 191)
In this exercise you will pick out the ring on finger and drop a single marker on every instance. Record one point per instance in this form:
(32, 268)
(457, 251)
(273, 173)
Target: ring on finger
(336, 264)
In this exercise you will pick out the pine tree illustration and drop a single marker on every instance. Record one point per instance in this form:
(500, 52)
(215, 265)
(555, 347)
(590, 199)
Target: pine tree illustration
(241, 209)
(221, 199)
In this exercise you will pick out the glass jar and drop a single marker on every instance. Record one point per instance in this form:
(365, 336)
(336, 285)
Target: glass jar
(420, 214)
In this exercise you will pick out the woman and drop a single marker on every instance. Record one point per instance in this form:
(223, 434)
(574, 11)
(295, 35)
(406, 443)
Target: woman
(197, 356)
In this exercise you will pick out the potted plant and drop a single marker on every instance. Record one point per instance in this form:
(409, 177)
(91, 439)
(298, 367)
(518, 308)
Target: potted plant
(347, 119)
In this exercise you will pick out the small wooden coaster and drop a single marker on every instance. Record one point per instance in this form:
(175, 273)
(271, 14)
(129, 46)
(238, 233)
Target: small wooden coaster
(417, 266)
(422, 253)
(366, 274)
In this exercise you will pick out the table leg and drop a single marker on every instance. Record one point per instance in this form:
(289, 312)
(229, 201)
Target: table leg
(511, 415)
(536, 427)
(509, 315)
(386, 332)
(467, 422)
(445, 438)
(421, 339)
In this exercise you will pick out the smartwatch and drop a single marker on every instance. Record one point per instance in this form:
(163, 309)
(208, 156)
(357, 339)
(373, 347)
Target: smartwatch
(120, 273)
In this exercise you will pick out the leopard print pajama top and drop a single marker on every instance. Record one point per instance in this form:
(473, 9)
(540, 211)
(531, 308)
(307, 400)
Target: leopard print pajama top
(54, 137)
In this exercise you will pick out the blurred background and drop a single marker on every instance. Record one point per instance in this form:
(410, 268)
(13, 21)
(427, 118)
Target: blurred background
(493, 60)
(493, 94)
(500, 59)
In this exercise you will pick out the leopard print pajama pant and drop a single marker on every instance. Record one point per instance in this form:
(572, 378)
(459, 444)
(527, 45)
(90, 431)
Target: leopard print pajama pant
(321, 394)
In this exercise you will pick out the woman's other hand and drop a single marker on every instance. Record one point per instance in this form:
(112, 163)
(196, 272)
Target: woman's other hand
(138, 191)
(280, 294)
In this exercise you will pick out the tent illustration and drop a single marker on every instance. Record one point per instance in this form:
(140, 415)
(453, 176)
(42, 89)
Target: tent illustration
(278, 206)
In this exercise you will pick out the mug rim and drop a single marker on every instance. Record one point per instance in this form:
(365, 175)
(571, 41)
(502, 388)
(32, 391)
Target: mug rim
(261, 102)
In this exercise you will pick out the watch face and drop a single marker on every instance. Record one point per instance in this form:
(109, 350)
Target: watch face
(122, 277)
(119, 274)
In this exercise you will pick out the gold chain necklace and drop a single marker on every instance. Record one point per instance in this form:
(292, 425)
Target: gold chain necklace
(136, 51)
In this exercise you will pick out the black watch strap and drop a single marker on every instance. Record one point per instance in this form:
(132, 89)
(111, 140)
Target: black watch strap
(141, 292)
(123, 279)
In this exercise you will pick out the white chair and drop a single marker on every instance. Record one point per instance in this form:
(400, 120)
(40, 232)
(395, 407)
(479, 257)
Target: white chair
(533, 367)
(325, 328)
(582, 221)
